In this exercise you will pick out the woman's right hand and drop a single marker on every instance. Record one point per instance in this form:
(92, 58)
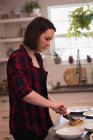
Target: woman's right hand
(60, 108)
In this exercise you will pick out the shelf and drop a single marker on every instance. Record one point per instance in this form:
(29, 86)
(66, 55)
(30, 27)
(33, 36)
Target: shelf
(17, 39)
(21, 19)
(6, 39)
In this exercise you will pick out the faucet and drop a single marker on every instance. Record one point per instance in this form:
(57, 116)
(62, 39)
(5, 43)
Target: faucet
(78, 68)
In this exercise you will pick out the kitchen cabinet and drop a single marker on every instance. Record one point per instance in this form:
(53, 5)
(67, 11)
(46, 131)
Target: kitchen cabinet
(4, 118)
(11, 35)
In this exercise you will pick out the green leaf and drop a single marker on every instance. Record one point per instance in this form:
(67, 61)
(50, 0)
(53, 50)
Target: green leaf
(80, 19)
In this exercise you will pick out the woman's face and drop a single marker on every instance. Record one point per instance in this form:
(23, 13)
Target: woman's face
(45, 40)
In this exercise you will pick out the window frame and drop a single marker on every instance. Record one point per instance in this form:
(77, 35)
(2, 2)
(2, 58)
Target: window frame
(65, 35)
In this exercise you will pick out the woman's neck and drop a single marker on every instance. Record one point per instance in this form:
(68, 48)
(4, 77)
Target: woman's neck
(33, 57)
(30, 52)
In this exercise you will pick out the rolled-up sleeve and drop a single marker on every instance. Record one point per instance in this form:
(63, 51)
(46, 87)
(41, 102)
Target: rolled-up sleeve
(18, 76)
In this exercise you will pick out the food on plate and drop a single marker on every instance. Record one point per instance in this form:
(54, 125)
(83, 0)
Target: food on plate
(75, 122)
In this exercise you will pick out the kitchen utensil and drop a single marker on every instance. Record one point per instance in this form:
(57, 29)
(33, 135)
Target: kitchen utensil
(69, 117)
(89, 127)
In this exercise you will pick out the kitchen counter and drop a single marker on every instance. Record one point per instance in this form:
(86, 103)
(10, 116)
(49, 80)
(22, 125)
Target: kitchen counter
(83, 88)
(61, 89)
(53, 136)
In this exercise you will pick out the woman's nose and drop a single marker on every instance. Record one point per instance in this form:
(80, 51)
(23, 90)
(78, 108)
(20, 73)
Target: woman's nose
(48, 44)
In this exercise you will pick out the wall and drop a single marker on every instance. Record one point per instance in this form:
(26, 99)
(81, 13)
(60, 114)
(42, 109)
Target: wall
(12, 4)
(55, 72)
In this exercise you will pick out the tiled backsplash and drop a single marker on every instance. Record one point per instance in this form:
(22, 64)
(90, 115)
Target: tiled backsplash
(55, 71)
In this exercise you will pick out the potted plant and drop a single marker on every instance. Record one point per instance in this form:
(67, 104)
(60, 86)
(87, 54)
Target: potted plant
(32, 7)
(35, 7)
(57, 58)
(81, 19)
(28, 8)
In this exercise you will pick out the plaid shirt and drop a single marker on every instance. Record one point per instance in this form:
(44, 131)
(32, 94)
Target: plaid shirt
(23, 77)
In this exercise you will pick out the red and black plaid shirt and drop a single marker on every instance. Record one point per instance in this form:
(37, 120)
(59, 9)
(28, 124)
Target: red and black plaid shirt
(23, 77)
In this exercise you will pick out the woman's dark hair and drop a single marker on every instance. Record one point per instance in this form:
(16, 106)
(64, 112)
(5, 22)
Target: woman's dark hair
(34, 29)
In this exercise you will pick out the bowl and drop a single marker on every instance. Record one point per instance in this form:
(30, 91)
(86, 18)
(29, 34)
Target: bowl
(89, 127)
(70, 132)
(91, 136)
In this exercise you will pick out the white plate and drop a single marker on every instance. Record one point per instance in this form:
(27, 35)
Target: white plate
(79, 109)
(88, 113)
(89, 127)
(70, 132)
(64, 123)
(91, 136)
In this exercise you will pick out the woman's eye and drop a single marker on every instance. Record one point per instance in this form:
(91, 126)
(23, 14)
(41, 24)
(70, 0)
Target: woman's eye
(47, 39)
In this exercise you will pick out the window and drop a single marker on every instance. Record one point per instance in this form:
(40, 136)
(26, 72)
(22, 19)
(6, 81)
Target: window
(68, 46)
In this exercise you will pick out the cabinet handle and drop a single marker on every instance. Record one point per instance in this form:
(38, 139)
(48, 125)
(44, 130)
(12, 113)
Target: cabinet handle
(5, 117)
(7, 138)
(4, 101)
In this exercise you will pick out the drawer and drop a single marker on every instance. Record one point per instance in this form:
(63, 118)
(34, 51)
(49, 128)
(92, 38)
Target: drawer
(5, 98)
(5, 136)
(4, 129)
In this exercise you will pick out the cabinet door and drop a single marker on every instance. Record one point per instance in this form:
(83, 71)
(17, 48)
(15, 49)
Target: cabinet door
(4, 118)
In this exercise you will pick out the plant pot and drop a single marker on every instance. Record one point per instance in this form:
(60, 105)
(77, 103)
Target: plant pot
(89, 59)
(71, 60)
(57, 60)
(36, 11)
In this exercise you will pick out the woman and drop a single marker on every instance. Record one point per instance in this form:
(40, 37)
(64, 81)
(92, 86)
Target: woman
(28, 97)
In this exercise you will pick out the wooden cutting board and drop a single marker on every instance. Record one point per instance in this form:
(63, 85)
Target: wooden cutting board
(71, 78)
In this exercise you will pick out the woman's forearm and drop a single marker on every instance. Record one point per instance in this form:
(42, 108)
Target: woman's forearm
(50, 98)
(36, 99)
